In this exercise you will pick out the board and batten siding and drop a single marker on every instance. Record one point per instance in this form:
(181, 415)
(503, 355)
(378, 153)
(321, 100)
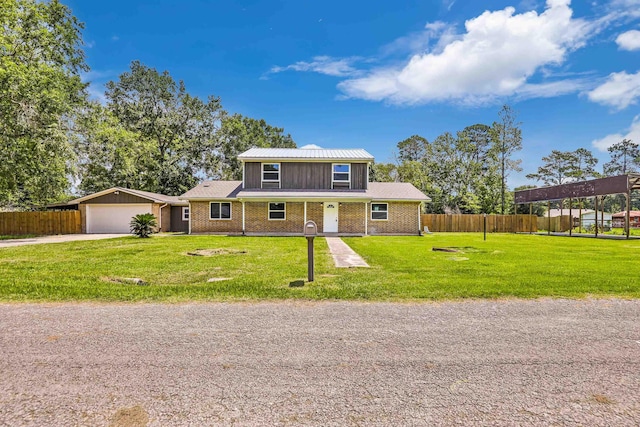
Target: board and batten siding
(252, 172)
(359, 176)
(310, 176)
(113, 198)
(305, 175)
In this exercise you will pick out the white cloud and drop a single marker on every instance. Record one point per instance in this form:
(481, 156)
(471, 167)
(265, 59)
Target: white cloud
(339, 67)
(619, 91)
(629, 40)
(633, 133)
(495, 57)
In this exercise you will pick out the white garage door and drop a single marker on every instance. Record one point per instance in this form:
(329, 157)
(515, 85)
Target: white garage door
(113, 218)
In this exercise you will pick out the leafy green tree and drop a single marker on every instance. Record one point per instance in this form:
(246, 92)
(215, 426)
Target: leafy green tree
(558, 168)
(482, 169)
(40, 63)
(143, 225)
(383, 172)
(506, 141)
(239, 133)
(412, 149)
(584, 165)
(109, 155)
(625, 158)
(181, 130)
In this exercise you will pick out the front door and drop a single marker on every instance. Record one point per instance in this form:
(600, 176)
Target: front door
(330, 217)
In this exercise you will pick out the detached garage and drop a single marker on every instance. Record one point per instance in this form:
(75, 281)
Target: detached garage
(110, 211)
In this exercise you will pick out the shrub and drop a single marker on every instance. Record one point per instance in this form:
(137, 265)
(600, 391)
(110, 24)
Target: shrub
(142, 225)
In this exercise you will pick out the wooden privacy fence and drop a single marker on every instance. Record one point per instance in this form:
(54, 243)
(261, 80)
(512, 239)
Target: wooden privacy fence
(475, 223)
(41, 223)
(554, 224)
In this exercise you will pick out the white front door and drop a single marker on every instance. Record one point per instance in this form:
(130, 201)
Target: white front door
(330, 217)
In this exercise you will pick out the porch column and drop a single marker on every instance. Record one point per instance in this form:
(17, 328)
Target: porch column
(305, 211)
(243, 217)
(366, 219)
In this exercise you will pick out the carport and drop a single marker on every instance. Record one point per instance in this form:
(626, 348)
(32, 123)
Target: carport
(596, 188)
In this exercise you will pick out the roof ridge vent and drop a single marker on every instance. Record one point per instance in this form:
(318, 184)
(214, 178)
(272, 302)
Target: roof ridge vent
(311, 147)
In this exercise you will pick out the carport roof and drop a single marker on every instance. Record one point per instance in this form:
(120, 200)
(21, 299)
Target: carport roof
(596, 187)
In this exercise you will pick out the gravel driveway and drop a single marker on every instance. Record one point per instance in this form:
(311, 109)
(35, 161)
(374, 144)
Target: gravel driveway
(544, 362)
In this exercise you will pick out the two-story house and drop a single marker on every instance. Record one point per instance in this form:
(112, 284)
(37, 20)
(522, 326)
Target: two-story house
(282, 188)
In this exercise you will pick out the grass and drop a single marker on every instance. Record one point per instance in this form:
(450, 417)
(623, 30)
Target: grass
(20, 236)
(402, 269)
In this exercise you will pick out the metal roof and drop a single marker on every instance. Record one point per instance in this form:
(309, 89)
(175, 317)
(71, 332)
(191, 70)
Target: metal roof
(377, 191)
(309, 154)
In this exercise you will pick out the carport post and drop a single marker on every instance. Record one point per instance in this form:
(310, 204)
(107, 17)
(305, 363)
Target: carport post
(549, 217)
(628, 219)
(570, 216)
(596, 216)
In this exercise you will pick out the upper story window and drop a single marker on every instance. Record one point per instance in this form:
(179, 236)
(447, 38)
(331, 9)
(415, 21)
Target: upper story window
(341, 175)
(271, 175)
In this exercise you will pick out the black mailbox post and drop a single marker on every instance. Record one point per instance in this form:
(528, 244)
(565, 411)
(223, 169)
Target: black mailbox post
(310, 231)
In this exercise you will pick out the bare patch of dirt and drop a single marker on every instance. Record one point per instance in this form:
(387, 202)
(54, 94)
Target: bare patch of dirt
(135, 416)
(601, 398)
(459, 258)
(218, 279)
(125, 280)
(218, 251)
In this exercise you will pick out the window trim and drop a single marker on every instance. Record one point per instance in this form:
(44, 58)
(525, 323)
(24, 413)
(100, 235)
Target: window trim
(185, 210)
(269, 210)
(221, 219)
(333, 175)
(262, 172)
(385, 211)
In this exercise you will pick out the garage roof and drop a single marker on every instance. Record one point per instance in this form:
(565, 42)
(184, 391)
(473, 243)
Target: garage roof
(154, 197)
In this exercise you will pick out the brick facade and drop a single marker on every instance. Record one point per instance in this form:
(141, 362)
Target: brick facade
(200, 222)
(351, 218)
(402, 219)
(257, 219)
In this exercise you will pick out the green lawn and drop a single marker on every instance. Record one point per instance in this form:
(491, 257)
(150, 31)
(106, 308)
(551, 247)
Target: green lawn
(403, 268)
(19, 236)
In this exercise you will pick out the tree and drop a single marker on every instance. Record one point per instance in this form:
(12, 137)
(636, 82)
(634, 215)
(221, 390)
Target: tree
(506, 141)
(412, 149)
(239, 133)
(40, 64)
(383, 172)
(142, 225)
(181, 130)
(484, 180)
(625, 158)
(584, 165)
(109, 155)
(558, 168)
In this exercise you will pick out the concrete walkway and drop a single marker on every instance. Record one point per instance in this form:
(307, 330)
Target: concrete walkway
(343, 255)
(56, 239)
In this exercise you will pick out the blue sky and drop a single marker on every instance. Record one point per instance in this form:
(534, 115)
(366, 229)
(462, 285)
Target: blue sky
(351, 74)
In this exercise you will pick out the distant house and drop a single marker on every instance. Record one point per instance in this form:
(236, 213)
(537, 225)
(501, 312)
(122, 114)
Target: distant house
(619, 219)
(589, 218)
